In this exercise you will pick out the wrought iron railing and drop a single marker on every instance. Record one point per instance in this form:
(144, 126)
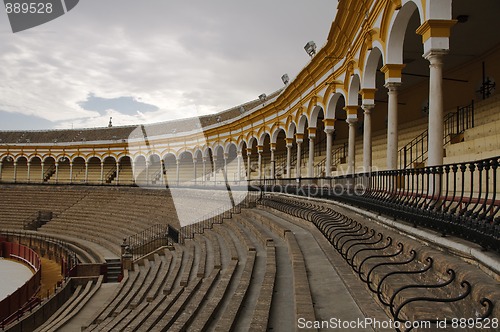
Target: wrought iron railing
(218, 215)
(150, 239)
(367, 251)
(414, 153)
(339, 155)
(461, 199)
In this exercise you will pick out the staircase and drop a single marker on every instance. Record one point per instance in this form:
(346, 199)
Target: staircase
(114, 268)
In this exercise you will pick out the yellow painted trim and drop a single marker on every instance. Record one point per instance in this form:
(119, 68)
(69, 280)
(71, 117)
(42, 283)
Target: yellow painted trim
(329, 122)
(392, 70)
(367, 93)
(435, 28)
(352, 109)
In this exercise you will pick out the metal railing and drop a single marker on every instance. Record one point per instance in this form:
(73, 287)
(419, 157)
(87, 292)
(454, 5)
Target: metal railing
(150, 239)
(462, 199)
(455, 123)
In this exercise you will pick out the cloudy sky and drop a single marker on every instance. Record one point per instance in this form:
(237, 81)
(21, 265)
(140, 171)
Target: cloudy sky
(146, 61)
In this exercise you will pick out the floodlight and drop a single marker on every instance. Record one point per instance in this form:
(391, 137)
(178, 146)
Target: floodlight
(285, 79)
(310, 48)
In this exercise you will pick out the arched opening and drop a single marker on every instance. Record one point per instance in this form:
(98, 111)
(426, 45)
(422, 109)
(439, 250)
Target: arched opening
(186, 168)
(109, 170)
(78, 170)
(48, 168)
(279, 139)
(93, 171)
(140, 170)
(232, 166)
(35, 169)
(21, 170)
(170, 169)
(63, 173)
(125, 174)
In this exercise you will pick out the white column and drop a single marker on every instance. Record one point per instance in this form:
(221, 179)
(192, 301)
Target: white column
(329, 144)
(117, 172)
(15, 171)
(288, 159)
(57, 172)
(367, 137)
(299, 157)
(249, 169)
(260, 164)
(102, 172)
(436, 125)
(177, 170)
(204, 177)
(29, 171)
(214, 158)
(195, 171)
(392, 125)
(86, 172)
(310, 161)
(0, 170)
(224, 172)
(351, 157)
(147, 172)
(273, 163)
(43, 171)
(70, 172)
(240, 156)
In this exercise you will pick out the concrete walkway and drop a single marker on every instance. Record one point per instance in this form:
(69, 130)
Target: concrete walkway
(337, 294)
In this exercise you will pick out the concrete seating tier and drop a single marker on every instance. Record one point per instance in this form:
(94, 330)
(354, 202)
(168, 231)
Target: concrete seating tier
(483, 140)
(70, 308)
(414, 280)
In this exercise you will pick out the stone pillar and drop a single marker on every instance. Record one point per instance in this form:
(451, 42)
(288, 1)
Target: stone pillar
(392, 82)
(368, 105)
(273, 162)
(29, 171)
(70, 172)
(224, 171)
(214, 158)
(86, 172)
(240, 157)
(249, 168)
(367, 137)
(352, 119)
(102, 172)
(15, 171)
(260, 149)
(177, 171)
(392, 125)
(43, 171)
(204, 176)
(436, 122)
(195, 171)
(299, 138)
(57, 172)
(329, 130)
(118, 172)
(310, 161)
(289, 145)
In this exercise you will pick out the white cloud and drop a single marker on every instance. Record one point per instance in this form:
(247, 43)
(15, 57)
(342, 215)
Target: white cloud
(186, 58)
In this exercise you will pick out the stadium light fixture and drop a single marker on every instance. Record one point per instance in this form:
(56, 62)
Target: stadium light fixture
(285, 79)
(310, 48)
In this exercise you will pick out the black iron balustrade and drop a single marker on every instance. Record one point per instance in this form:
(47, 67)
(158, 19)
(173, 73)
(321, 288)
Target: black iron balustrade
(458, 199)
(359, 245)
(150, 239)
(217, 216)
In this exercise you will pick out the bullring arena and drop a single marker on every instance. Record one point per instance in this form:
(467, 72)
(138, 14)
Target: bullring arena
(364, 195)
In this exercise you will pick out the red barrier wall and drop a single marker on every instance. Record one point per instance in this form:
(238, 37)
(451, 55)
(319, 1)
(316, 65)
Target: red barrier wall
(23, 294)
